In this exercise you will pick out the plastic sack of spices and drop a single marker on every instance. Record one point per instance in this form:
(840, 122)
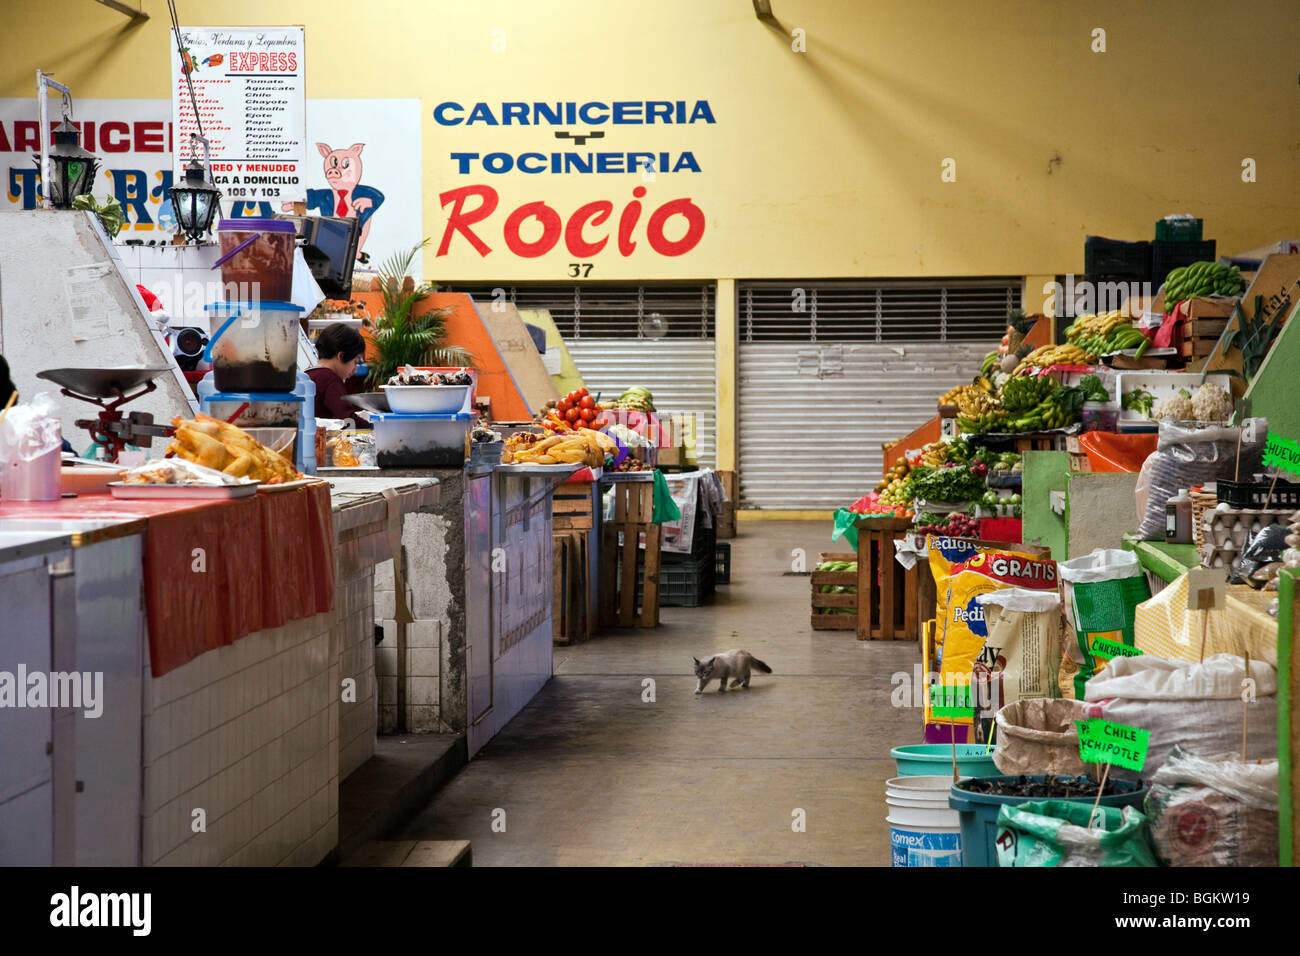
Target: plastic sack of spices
(1214, 811)
(1100, 595)
(1070, 833)
(1189, 454)
(964, 627)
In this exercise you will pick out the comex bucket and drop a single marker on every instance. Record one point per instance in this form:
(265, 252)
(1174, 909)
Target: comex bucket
(923, 831)
(257, 258)
(918, 760)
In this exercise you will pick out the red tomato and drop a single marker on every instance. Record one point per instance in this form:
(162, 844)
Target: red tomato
(587, 402)
(587, 414)
(571, 415)
(598, 423)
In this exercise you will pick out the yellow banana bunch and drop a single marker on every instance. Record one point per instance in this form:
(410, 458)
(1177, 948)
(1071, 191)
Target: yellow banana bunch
(1058, 355)
(1100, 325)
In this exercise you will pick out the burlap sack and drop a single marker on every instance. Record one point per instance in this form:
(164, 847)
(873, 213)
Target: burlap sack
(1038, 735)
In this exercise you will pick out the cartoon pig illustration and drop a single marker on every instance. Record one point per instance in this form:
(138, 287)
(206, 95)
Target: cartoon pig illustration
(346, 196)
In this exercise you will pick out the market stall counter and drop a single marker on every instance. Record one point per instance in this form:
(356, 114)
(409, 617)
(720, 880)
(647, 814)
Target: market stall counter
(235, 643)
(477, 585)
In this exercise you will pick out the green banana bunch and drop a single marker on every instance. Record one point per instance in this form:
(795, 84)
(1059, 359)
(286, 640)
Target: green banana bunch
(1202, 278)
(637, 398)
(837, 566)
(990, 364)
(1022, 392)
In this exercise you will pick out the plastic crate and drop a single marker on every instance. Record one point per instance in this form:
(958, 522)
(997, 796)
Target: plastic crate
(1116, 257)
(1169, 254)
(722, 562)
(1252, 494)
(1179, 230)
(683, 583)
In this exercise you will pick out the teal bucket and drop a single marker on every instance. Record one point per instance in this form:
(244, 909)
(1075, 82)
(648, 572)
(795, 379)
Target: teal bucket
(923, 760)
(923, 829)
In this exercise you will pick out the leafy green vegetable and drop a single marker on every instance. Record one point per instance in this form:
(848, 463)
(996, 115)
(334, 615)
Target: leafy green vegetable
(1138, 400)
(1093, 389)
(946, 484)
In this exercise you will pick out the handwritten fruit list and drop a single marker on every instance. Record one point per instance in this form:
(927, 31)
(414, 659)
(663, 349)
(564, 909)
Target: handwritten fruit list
(249, 90)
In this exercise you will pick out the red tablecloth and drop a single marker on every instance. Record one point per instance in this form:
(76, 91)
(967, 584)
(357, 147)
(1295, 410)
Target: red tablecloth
(216, 571)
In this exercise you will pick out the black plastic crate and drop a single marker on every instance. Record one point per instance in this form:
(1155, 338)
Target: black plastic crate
(684, 583)
(1116, 257)
(1251, 494)
(1170, 254)
(722, 562)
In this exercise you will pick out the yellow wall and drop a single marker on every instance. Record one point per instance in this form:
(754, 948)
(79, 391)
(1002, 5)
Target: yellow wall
(823, 163)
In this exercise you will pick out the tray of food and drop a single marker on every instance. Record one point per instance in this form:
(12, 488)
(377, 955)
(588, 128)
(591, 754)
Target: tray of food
(178, 478)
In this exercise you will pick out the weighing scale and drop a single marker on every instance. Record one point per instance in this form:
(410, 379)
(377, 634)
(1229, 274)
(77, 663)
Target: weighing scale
(108, 388)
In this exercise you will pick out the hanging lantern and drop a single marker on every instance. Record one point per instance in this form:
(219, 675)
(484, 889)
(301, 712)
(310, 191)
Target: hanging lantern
(194, 202)
(72, 168)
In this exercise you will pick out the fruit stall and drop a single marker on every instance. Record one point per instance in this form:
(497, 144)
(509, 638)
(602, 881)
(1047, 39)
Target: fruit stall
(1094, 545)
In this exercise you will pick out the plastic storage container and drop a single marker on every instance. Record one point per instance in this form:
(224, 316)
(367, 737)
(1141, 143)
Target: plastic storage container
(253, 346)
(427, 399)
(979, 814)
(257, 256)
(421, 441)
(920, 760)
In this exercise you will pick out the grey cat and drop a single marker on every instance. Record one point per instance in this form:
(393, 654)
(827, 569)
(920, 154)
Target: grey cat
(732, 664)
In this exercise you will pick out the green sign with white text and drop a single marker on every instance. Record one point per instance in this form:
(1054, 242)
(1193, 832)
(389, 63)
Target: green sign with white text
(1101, 741)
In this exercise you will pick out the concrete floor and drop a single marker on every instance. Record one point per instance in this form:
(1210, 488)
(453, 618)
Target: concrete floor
(590, 774)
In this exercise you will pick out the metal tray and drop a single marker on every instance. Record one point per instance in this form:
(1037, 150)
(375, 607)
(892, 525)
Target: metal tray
(100, 382)
(120, 489)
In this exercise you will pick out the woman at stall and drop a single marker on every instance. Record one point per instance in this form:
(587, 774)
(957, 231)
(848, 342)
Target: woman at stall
(340, 349)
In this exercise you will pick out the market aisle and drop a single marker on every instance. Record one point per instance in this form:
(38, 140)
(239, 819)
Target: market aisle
(591, 774)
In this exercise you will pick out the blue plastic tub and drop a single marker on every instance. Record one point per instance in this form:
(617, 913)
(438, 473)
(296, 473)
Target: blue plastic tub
(924, 760)
(979, 813)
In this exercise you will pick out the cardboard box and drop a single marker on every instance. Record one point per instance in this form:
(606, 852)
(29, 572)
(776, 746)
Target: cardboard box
(671, 457)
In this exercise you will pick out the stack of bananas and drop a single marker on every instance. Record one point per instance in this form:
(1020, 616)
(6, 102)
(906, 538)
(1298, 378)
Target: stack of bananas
(637, 398)
(1105, 333)
(1202, 278)
(934, 454)
(978, 409)
(1057, 355)
(1023, 392)
(582, 447)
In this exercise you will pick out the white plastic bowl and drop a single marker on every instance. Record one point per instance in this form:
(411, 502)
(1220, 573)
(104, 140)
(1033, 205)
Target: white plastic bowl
(426, 399)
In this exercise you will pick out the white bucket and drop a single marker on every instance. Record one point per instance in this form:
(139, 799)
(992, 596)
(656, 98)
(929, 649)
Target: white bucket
(923, 830)
(37, 479)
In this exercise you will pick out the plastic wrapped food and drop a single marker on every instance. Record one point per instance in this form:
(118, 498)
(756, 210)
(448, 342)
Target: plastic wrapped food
(178, 471)
(1214, 811)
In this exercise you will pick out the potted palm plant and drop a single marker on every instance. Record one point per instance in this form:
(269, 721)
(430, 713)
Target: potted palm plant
(402, 338)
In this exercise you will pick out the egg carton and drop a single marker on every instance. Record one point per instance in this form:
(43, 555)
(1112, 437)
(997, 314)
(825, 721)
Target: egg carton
(1233, 526)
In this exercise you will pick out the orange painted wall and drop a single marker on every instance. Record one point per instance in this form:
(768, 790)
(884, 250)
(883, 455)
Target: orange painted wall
(465, 329)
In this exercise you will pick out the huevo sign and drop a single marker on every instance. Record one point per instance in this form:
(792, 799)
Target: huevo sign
(643, 218)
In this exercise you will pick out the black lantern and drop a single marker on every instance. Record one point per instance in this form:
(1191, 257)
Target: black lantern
(195, 202)
(72, 168)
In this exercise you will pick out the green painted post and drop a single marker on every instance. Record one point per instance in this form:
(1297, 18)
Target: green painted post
(1286, 594)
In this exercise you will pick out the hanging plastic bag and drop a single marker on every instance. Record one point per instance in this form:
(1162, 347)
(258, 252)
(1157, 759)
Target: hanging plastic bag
(846, 527)
(1058, 833)
(1101, 593)
(31, 430)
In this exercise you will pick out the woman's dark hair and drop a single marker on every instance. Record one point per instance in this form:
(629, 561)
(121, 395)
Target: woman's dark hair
(7, 386)
(338, 339)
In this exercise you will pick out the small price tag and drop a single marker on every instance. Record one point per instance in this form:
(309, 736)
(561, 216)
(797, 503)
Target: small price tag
(950, 700)
(1107, 649)
(1205, 589)
(1101, 741)
(1281, 453)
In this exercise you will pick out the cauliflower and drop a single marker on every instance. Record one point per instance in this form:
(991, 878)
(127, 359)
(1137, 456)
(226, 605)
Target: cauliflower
(1177, 406)
(1212, 403)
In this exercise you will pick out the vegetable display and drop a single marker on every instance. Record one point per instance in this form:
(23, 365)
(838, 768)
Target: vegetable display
(1048, 355)
(637, 399)
(950, 483)
(575, 410)
(1138, 400)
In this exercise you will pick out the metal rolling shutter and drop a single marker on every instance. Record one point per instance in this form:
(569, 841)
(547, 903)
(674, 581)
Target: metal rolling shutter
(830, 371)
(609, 331)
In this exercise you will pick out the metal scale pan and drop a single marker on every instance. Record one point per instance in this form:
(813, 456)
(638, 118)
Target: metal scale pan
(100, 382)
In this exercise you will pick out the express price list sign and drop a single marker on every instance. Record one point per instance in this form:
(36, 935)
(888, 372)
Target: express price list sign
(249, 89)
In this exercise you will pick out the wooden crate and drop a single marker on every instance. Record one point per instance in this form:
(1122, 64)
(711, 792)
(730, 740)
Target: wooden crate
(573, 506)
(570, 614)
(727, 520)
(633, 508)
(834, 622)
(1038, 441)
(887, 592)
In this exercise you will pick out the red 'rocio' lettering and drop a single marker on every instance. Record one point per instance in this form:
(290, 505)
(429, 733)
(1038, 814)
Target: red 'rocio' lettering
(627, 222)
(460, 221)
(550, 220)
(595, 213)
(654, 230)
